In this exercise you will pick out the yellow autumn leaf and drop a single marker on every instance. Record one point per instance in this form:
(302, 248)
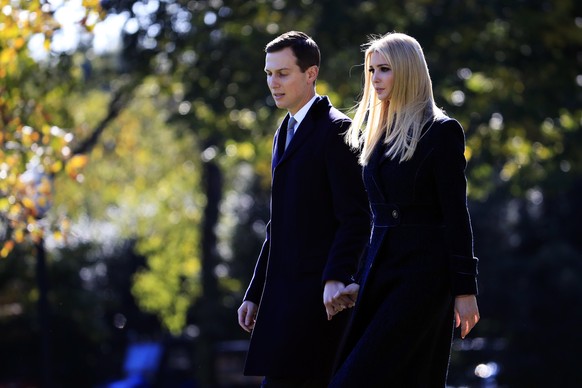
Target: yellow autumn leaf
(28, 203)
(14, 210)
(7, 55)
(56, 166)
(75, 164)
(4, 204)
(58, 236)
(18, 235)
(19, 43)
(7, 248)
(78, 161)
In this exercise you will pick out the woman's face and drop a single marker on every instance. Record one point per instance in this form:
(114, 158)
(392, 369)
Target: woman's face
(382, 76)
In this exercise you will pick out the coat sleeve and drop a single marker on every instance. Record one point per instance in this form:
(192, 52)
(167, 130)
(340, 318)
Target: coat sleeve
(255, 289)
(449, 167)
(257, 283)
(350, 206)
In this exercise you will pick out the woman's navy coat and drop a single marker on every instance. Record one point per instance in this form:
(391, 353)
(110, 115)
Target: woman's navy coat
(420, 257)
(318, 229)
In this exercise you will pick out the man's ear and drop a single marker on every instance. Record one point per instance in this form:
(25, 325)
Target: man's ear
(312, 73)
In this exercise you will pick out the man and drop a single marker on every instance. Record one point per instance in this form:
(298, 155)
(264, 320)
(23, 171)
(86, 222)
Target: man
(317, 232)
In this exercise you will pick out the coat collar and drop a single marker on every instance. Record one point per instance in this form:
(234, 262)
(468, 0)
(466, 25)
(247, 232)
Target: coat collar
(302, 132)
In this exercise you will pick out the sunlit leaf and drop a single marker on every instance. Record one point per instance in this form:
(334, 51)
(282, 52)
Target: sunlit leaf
(7, 248)
(56, 166)
(75, 165)
(19, 236)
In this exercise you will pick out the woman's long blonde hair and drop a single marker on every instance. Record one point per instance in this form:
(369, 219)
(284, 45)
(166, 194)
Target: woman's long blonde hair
(398, 120)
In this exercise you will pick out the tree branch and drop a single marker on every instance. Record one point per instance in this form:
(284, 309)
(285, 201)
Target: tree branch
(119, 101)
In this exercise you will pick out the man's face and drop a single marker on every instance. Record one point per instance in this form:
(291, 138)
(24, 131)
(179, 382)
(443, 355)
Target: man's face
(290, 87)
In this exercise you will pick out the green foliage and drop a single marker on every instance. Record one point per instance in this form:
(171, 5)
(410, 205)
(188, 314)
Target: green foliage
(140, 181)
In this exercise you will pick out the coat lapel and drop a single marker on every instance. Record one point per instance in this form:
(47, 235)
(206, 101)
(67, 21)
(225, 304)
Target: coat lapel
(373, 168)
(279, 143)
(302, 133)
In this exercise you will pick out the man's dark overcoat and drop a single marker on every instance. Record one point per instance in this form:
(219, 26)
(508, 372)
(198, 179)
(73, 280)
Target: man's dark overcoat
(420, 257)
(318, 229)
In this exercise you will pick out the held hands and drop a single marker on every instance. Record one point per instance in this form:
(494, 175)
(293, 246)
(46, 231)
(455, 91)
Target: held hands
(466, 313)
(247, 313)
(337, 297)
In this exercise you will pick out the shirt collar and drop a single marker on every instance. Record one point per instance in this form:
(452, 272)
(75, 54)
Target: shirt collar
(301, 113)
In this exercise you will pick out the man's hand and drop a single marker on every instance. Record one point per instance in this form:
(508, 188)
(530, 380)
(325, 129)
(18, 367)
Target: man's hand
(332, 307)
(247, 313)
(337, 297)
(466, 313)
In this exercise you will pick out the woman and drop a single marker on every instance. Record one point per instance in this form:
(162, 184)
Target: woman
(419, 277)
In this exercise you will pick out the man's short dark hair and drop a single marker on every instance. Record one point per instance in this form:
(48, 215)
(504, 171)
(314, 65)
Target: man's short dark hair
(304, 48)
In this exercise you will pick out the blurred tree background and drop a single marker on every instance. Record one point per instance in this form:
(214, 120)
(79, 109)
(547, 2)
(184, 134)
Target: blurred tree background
(135, 170)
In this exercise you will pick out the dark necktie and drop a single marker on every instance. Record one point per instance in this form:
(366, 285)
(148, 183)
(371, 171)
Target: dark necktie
(290, 131)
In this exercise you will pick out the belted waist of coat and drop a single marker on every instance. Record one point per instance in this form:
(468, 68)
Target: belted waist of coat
(391, 214)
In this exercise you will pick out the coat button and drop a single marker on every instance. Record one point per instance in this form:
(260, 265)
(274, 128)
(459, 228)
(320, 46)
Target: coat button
(394, 213)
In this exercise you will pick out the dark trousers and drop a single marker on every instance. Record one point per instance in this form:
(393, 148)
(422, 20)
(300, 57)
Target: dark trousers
(275, 382)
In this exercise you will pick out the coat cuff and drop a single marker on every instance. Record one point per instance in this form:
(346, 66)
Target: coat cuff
(464, 264)
(344, 278)
(464, 285)
(253, 295)
(464, 275)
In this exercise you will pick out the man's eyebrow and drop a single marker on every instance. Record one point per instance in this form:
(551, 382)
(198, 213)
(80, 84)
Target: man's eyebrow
(281, 69)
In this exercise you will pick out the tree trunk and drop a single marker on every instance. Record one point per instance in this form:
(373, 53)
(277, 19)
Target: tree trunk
(212, 185)
(44, 315)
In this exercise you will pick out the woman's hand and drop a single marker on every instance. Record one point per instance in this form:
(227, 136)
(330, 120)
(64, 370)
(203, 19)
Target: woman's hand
(337, 297)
